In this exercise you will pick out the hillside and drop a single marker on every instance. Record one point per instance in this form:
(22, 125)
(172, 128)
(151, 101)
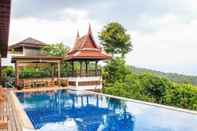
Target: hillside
(179, 78)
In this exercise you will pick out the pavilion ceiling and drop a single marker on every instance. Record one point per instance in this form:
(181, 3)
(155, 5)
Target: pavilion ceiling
(5, 6)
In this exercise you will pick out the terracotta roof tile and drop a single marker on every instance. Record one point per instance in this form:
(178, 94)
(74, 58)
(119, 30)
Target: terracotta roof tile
(86, 48)
(87, 54)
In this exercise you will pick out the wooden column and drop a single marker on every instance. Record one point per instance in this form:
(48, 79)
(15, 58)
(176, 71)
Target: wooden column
(59, 73)
(52, 72)
(72, 63)
(17, 74)
(96, 68)
(80, 68)
(86, 68)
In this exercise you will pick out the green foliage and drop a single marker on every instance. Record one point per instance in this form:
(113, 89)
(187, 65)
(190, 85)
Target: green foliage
(115, 40)
(65, 69)
(57, 49)
(178, 78)
(120, 81)
(8, 71)
(182, 95)
(154, 86)
(32, 72)
(116, 70)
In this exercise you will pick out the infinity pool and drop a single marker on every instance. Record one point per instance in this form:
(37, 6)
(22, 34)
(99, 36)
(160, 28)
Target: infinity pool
(68, 110)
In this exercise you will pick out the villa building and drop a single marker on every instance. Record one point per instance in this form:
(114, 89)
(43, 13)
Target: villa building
(27, 47)
(84, 58)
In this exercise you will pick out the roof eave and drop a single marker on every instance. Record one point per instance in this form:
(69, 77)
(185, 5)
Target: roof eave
(5, 6)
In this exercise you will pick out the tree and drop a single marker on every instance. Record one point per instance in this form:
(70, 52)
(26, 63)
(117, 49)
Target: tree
(154, 86)
(57, 49)
(115, 70)
(115, 40)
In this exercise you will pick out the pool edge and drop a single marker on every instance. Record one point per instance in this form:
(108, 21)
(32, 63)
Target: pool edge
(21, 115)
(148, 103)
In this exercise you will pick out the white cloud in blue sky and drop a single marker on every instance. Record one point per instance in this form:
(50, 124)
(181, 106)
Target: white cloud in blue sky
(163, 31)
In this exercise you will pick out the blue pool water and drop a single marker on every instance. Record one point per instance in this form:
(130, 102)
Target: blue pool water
(67, 110)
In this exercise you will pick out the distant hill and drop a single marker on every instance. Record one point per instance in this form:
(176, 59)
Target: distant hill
(179, 78)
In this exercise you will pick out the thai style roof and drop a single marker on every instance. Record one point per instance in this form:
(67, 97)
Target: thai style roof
(28, 42)
(85, 48)
(4, 26)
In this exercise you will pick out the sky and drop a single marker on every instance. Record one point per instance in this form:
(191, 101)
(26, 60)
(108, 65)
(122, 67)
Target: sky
(163, 32)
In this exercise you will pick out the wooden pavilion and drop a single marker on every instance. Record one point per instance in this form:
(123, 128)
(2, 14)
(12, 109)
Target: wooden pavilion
(27, 53)
(21, 61)
(86, 54)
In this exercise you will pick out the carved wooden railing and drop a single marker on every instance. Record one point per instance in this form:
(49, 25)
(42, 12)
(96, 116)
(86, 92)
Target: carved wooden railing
(83, 73)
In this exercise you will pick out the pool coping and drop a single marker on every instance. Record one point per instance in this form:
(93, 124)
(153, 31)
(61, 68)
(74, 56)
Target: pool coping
(148, 103)
(141, 102)
(28, 126)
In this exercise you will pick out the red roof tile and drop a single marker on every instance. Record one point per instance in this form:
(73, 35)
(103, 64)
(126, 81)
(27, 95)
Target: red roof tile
(86, 48)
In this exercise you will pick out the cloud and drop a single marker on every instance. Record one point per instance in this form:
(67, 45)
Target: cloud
(62, 30)
(49, 9)
(172, 48)
(133, 14)
(163, 31)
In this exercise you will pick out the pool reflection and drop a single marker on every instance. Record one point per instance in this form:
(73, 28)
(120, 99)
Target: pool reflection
(83, 112)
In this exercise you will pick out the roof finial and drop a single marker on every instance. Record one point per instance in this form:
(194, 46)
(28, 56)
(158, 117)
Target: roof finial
(78, 34)
(89, 29)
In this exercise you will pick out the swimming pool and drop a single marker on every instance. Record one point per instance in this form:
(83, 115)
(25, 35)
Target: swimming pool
(69, 110)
